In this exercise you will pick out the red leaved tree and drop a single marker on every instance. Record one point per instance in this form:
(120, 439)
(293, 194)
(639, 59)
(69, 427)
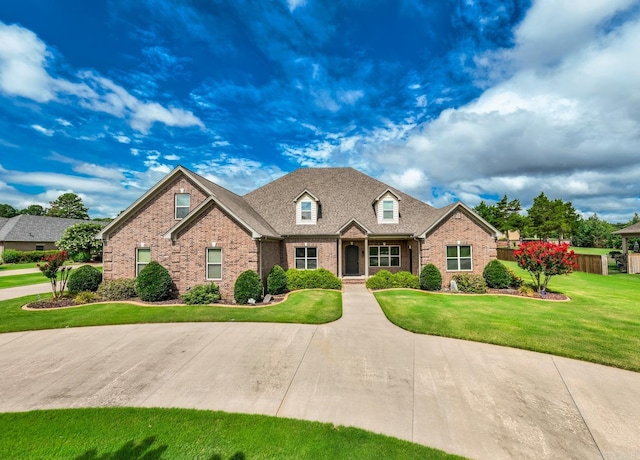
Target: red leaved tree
(543, 260)
(51, 267)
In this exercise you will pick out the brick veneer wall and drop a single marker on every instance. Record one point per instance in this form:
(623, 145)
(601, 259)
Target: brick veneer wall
(459, 227)
(404, 256)
(327, 252)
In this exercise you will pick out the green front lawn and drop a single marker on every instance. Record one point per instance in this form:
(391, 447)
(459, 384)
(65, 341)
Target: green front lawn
(128, 433)
(601, 323)
(22, 280)
(309, 306)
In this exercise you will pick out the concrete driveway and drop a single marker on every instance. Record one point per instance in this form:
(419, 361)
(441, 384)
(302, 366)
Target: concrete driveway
(472, 399)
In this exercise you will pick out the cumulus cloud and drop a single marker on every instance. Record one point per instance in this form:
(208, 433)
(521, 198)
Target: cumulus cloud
(240, 175)
(23, 62)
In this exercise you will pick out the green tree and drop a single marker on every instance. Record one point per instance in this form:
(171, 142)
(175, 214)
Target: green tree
(551, 218)
(6, 210)
(504, 215)
(81, 238)
(34, 210)
(52, 268)
(544, 260)
(68, 205)
(593, 233)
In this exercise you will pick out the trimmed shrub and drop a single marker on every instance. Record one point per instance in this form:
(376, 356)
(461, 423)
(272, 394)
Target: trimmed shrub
(470, 283)
(85, 278)
(247, 286)
(121, 289)
(496, 275)
(154, 283)
(202, 294)
(85, 297)
(277, 281)
(527, 289)
(81, 257)
(514, 280)
(381, 280)
(430, 278)
(10, 256)
(320, 278)
(406, 280)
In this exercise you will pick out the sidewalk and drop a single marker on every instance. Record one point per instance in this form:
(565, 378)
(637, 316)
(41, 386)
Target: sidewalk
(477, 400)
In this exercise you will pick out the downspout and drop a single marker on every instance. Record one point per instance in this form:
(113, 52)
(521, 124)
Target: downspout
(260, 264)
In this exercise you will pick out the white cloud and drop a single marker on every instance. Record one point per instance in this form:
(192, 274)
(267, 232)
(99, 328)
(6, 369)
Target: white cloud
(171, 157)
(240, 175)
(293, 4)
(122, 139)
(43, 130)
(410, 179)
(64, 122)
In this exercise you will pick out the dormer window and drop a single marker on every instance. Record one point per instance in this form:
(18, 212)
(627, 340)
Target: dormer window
(305, 211)
(183, 204)
(387, 208)
(307, 207)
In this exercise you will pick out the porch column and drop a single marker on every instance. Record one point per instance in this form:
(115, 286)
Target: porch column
(625, 245)
(340, 257)
(366, 257)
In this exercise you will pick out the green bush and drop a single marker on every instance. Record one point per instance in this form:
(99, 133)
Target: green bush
(381, 280)
(514, 280)
(85, 278)
(85, 297)
(496, 275)
(320, 278)
(202, 294)
(470, 283)
(120, 289)
(430, 278)
(247, 286)
(406, 280)
(81, 257)
(277, 281)
(11, 256)
(154, 283)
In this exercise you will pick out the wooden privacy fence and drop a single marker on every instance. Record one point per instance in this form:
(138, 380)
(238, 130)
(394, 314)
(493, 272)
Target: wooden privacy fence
(588, 263)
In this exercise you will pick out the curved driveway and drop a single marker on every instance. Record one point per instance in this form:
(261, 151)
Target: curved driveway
(477, 400)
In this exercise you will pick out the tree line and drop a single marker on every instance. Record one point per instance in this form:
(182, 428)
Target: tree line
(68, 205)
(552, 219)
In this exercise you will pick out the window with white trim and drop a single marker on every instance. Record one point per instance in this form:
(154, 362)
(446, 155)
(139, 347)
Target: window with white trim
(305, 211)
(214, 263)
(143, 257)
(459, 258)
(387, 210)
(306, 258)
(183, 204)
(384, 256)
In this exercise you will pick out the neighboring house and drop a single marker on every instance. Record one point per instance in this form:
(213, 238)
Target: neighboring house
(33, 233)
(333, 218)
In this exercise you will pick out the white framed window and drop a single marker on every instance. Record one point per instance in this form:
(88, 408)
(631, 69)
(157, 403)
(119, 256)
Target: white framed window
(143, 257)
(384, 256)
(387, 210)
(214, 263)
(305, 211)
(306, 258)
(183, 204)
(459, 258)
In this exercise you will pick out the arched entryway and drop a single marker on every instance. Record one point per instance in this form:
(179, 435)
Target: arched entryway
(352, 260)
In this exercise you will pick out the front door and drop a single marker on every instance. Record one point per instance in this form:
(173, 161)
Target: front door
(351, 256)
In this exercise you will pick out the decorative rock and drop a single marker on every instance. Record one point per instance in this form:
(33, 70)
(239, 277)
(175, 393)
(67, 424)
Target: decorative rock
(454, 286)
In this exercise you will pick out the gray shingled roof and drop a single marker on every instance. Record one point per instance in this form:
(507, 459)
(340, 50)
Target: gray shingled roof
(630, 230)
(344, 194)
(37, 229)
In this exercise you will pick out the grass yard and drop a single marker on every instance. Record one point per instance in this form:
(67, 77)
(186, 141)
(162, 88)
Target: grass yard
(9, 267)
(596, 251)
(10, 281)
(128, 433)
(309, 307)
(601, 322)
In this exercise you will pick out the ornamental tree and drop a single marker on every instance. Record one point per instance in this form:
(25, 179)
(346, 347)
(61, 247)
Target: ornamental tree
(543, 260)
(52, 268)
(81, 238)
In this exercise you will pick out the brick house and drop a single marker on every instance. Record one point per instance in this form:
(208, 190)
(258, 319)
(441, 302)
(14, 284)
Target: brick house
(334, 218)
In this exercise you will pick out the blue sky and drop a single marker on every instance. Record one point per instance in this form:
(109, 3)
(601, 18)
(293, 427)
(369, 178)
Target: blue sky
(446, 100)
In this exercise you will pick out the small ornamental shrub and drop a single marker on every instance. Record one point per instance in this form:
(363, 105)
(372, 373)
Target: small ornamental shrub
(10, 256)
(527, 289)
(277, 281)
(470, 283)
(496, 275)
(247, 286)
(202, 294)
(543, 260)
(85, 278)
(120, 289)
(320, 278)
(406, 280)
(85, 297)
(52, 268)
(514, 280)
(81, 257)
(153, 283)
(381, 280)
(430, 278)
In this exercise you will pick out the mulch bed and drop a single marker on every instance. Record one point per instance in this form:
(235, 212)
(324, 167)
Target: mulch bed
(515, 292)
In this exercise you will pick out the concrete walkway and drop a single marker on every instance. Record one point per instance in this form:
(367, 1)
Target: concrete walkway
(477, 400)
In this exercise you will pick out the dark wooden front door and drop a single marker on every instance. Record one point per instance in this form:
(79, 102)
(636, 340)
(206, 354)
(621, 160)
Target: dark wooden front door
(351, 266)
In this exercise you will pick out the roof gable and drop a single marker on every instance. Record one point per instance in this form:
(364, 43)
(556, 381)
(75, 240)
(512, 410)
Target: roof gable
(450, 210)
